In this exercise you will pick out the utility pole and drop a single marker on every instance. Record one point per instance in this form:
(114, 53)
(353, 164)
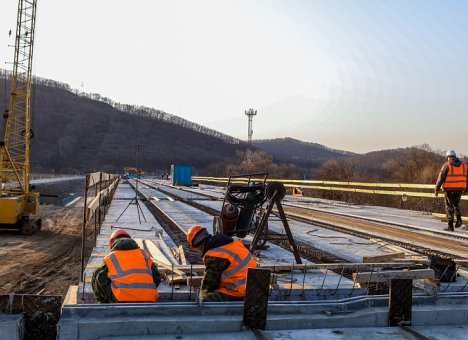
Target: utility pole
(250, 113)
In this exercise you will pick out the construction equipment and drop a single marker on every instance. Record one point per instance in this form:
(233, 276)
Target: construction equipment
(17, 202)
(132, 173)
(243, 210)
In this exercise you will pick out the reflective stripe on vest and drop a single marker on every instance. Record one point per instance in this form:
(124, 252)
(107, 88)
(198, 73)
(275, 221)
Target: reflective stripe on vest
(121, 273)
(131, 277)
(233, 279)
(236, 284)
(456, 177)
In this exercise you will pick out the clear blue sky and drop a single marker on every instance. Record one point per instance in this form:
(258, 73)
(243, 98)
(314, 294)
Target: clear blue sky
(353, 75)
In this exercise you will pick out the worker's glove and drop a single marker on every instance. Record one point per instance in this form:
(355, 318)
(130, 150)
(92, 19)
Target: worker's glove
(200, 298)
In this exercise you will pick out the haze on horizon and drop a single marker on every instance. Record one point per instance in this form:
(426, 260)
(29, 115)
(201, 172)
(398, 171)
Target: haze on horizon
(352, 75)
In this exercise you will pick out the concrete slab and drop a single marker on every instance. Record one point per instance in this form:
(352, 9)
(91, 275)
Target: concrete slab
(185, 215)
(12, 326)
(383, 214)
(337, 333)
(348, 247)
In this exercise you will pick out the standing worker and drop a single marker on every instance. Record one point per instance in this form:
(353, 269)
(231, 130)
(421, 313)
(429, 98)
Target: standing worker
(453, 179)
(128, 273)
(226, 262)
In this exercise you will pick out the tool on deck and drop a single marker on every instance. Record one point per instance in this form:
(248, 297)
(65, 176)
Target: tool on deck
(244, 210)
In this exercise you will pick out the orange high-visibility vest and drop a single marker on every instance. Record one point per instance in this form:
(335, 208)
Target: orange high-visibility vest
(234, 277)
(456, 177)
(131, 276)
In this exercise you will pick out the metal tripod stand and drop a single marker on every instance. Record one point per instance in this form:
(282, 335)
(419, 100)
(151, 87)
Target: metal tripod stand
(275, 193)
(135, 199)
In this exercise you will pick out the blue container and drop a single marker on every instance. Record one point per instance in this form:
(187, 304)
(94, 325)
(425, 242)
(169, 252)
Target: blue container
(181, 175)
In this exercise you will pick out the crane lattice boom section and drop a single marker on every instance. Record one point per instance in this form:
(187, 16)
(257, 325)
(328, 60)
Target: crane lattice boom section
(14, 170)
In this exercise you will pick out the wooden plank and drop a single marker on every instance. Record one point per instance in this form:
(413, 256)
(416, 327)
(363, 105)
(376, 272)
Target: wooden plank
(167, 251)
(175, 279)
(386, 276)
(383, 258)
(461, 262)
(156, 253)
(94, 203)
(139, 241)
(72, 296)
(183, 259)
(424, 261)
(168, 268)
(175, 252)
(93, 265)
(195, 281)
(365, 184)
(93, 178)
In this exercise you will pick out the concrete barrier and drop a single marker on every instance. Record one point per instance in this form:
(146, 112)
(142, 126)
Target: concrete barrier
(12, 327)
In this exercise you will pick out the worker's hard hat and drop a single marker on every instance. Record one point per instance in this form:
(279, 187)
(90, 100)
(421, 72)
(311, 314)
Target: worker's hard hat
(451, 153)
(196, 236)
(116, 234)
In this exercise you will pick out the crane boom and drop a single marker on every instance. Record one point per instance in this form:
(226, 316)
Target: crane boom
(14, 149)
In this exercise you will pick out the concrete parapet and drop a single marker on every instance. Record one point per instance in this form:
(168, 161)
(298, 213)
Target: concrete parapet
(97, 321)
(12, 327)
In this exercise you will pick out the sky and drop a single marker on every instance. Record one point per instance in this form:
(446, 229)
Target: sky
(359, 75)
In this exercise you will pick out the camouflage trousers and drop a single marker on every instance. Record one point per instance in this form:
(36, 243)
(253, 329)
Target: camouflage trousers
(452, 202)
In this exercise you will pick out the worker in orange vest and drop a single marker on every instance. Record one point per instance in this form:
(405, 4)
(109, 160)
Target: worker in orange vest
(128, 273)
(454, 180)
(226, 262)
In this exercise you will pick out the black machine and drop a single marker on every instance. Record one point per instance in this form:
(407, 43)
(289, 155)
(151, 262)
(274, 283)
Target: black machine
(247, 205)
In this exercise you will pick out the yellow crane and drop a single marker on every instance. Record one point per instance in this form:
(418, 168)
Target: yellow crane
(18, 203)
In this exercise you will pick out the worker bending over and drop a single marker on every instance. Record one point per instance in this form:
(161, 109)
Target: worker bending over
(128, 273)
(453, 179)
(226, 262)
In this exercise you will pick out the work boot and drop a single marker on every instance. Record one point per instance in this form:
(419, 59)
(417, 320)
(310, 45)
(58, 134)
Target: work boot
(450, 226)
(459, 221)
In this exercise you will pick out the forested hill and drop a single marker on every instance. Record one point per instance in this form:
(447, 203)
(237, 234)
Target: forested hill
(304, 154)
(78, 132)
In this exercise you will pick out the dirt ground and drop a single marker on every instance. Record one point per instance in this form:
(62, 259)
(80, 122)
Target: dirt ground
(49, 261)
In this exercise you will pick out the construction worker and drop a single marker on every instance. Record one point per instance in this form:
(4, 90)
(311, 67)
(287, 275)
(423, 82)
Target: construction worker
(128, 273)
(453, 179)
(226, 262)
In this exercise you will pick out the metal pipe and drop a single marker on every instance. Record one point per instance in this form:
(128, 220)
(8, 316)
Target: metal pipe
(339, 281)
(323, 282)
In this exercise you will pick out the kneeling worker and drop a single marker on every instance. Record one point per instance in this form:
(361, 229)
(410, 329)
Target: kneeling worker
(128, 273)
(226, 262)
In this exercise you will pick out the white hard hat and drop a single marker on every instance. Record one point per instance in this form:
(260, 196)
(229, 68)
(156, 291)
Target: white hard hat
(451, 153)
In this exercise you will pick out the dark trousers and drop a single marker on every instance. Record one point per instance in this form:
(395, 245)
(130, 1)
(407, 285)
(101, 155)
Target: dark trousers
(452, 205)
(219, 297)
